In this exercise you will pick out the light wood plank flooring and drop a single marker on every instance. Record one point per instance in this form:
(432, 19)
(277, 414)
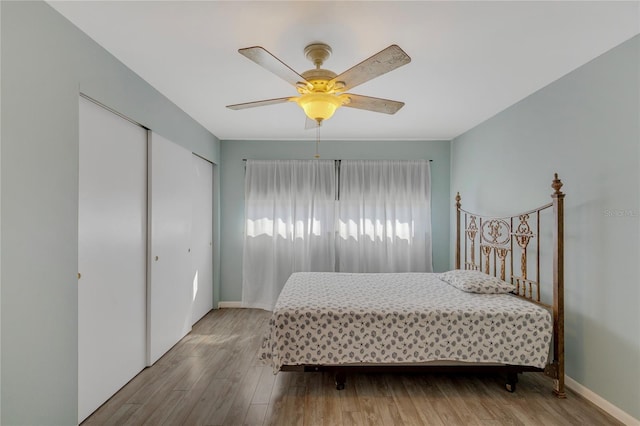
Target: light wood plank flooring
(213, 377)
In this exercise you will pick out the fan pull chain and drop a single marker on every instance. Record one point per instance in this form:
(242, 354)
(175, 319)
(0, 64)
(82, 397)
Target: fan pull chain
(317, 140)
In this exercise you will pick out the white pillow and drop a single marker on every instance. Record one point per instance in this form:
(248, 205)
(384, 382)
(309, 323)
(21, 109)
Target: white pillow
(476, 282)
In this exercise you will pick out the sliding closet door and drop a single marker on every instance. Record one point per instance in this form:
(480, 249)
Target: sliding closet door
(202, 237)
(111, 254)
(170, 294)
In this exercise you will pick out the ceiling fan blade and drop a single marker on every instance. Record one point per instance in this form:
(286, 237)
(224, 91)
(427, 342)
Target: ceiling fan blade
(265, 59)
(310, 124)
(259, 103)
(382, 62)
(373, 104)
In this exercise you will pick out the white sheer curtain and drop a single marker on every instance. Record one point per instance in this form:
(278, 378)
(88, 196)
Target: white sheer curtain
(384, 216)
(289, 226)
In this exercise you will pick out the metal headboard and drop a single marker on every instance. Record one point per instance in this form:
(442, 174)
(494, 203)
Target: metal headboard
(497, 245)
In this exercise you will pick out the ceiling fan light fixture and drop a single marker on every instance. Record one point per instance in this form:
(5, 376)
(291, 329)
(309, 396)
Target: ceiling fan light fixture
(321, 90)
(319, 106)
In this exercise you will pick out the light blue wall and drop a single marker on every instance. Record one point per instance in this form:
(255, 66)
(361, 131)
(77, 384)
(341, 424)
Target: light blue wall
(584, 126)
(46, 62)
(232, 175)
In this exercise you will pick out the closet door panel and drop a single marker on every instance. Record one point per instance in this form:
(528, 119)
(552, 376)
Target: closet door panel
(169, 281)
(111, 254)
(202, 237)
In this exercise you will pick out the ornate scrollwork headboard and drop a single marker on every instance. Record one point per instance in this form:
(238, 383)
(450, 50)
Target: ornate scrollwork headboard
(492, 245)
(510, 248)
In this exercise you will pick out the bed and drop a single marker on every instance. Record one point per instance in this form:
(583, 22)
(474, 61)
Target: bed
(488, 314)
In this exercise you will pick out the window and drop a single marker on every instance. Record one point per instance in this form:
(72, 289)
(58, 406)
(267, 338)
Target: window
(295, 221)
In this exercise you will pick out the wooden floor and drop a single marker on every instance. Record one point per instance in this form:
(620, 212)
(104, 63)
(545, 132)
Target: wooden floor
(213, 377)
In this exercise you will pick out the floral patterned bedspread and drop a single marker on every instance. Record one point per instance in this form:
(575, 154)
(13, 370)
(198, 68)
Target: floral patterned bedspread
(340, 318)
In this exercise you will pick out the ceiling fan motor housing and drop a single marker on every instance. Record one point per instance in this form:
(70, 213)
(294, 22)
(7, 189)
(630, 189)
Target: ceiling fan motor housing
(319, 81)
(318, 77)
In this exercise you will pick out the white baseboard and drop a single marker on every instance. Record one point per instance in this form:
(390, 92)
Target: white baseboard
(605, 405)
(223, 305)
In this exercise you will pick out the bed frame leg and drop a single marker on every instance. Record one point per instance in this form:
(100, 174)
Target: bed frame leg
(512, 379)
(554, 371)
(341, 378)
(558, 390)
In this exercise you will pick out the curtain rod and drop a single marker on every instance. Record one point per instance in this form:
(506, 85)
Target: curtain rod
(334, 159)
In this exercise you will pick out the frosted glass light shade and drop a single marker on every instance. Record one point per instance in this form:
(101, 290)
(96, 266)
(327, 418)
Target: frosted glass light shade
(319, 106)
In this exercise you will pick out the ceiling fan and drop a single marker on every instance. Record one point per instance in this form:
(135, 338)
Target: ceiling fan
(322, 91)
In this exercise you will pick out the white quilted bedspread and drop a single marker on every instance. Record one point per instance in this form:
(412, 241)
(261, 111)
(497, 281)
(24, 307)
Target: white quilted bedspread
(338, 318)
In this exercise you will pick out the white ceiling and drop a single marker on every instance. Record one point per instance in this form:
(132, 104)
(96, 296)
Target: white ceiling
(470, 60)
